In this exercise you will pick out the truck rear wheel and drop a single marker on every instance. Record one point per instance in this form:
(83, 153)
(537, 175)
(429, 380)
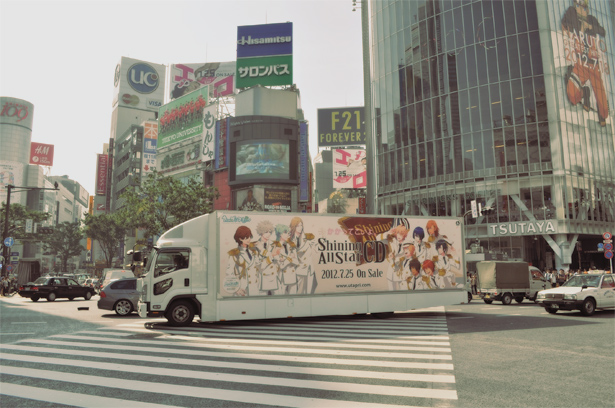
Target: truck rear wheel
(506, 299)
(180, 313)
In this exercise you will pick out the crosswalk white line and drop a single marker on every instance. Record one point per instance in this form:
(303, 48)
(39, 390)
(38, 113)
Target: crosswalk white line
(397, 391)
(71, 398)
(268, 399)
(399, 376)
(244, 356)
(333, 352)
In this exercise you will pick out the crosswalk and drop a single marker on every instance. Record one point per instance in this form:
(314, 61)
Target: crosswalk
(338, 362)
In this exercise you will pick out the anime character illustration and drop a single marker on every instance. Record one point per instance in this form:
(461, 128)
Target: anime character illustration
(243, 264)
(586, 51)
(288, 262)
(444, 264)
(395, 254)
(270, 270)
(304, 244)
(265, 231)
(428, 279)
(421, 248)
(415, 281)
(409, 254)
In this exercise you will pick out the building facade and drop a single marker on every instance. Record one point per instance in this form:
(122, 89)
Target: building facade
(508, 104)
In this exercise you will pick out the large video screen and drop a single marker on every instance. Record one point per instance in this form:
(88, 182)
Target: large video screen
(262, 159)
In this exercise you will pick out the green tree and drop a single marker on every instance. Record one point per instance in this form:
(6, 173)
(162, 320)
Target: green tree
(109, 230)
(162, 202)
(65, 242)
(18, 215)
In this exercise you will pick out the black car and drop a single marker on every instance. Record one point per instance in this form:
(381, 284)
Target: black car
(54, 287)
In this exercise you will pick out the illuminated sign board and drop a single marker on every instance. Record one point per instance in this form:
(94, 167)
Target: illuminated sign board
(41, 154)
(341, 126)
(182, 118)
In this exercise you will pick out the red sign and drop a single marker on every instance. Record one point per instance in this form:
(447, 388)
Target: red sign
(101, 174)
(41, 154)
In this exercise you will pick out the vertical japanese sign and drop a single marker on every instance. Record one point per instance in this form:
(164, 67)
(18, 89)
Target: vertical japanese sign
(349, 168)
(150, 140)
(222, 144)
(210, 114)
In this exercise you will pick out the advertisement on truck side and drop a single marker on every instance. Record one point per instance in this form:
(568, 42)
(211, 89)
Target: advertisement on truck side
(280, 255)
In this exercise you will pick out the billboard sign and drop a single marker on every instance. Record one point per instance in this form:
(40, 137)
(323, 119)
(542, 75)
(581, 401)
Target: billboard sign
(41, 154)
(16, 111)
(210, 115)
(182, 118)
(349, 168)
(341, 126)
(150, 140)
(265, 55)
(303, 162)
(102, 166)
(186, 78)
(139, 84)
(277, 200)
(347, 254)
(264, 40)
(10, 173)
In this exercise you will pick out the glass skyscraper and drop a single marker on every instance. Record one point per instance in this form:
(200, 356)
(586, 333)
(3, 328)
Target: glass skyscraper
(505, 103)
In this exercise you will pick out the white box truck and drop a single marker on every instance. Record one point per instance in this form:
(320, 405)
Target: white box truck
(508, 280)
(231, 265)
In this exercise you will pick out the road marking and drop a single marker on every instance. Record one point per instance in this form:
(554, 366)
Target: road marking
(397, 376)
(159, 345)
(465, 317)
(71, 398)
(230, 395)
(14, 334)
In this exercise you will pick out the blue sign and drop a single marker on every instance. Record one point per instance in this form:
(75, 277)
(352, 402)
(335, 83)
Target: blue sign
(143, 78)
(265, 40)
(608, 254)
(9, 241)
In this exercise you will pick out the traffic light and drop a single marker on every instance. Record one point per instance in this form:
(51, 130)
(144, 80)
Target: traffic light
(45, 230)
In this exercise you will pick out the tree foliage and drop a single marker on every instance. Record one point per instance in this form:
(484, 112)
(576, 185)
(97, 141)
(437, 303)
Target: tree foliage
(18, 215)
(109, 230)
(65, 242)
(162, 202)
(337, 202)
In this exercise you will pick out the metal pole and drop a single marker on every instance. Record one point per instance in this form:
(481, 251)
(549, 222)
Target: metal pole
(5, 234)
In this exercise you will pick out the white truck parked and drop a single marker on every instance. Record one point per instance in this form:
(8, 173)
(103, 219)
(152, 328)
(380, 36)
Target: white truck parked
(508, 280)
(231, 265)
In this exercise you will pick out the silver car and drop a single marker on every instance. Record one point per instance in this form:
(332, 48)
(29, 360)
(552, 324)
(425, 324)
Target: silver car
(120, 295)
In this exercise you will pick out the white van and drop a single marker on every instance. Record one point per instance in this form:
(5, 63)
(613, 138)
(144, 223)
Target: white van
(114, 274)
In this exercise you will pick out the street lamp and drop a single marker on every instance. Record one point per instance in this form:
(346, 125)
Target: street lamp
(5, 233)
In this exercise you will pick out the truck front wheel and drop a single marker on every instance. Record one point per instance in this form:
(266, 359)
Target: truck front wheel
(506, 299)
(180, 314)
(588, 307)
(519, 299)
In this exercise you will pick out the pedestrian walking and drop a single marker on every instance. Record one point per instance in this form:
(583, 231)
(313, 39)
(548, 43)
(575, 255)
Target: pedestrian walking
(473, 283)
(5, 286)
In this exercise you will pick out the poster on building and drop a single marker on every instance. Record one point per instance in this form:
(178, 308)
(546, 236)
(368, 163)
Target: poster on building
(250, 199)
(210, 116)
(182, 118)
(10, 173)
(341, 126)
(304, 157)
(278, 254)
(222, 144)
(349, 168)
(41, 154)
(150, 140)
(102, 166)
(277, 200)
(186, 78)
(179, 156)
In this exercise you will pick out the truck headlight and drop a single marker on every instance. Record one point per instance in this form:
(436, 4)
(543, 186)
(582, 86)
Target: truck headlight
(570, 297)
(540, 296)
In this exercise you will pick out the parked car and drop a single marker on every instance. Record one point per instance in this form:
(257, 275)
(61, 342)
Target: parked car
(120, 295)
(584, 292)
(55, 287)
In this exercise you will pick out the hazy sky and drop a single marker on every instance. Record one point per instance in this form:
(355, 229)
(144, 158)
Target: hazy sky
(61, 57)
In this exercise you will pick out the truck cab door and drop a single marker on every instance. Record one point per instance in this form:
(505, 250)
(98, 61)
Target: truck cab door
(171, 273)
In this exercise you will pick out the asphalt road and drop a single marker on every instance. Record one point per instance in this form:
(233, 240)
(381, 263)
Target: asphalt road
(474, 355)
